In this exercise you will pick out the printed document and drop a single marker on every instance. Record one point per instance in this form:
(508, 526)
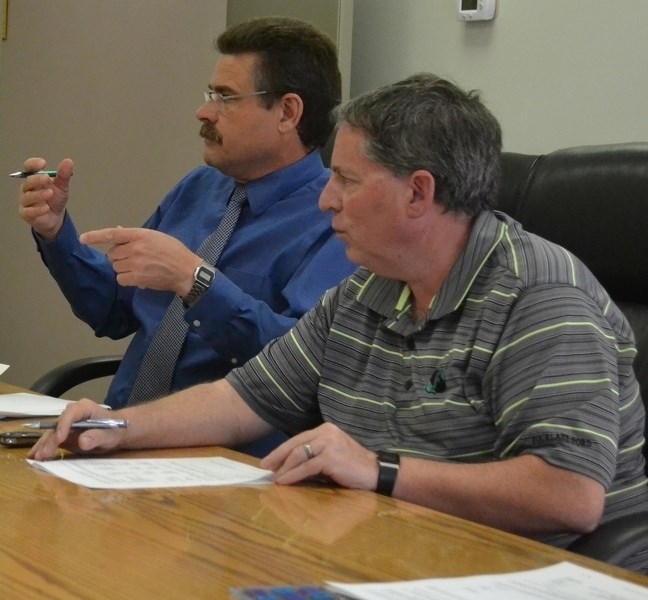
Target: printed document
(139, 473)
(563, 581)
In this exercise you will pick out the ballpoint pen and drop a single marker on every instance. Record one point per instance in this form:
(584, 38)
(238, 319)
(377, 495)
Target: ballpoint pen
(87, 424)
(23, 174)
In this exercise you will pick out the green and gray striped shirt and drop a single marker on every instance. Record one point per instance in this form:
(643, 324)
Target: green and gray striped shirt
(522, 352)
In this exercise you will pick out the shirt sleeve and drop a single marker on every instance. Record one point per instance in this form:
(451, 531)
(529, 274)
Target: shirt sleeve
(281, 383)
(87, 280)
(242, 324)
(557, 383)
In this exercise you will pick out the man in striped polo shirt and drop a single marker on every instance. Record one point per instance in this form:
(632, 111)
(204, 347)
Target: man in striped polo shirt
(467, 365)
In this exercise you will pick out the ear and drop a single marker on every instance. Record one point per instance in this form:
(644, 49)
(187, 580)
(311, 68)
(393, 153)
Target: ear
(422, 186)
(292, 108)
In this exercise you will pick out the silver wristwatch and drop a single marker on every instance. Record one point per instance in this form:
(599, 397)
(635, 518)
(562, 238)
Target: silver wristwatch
(203, 277)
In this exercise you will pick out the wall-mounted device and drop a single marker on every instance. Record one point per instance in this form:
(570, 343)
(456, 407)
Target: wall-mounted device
(475, 10)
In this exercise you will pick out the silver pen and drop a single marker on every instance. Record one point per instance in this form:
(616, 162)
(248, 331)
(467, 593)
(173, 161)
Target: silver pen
(87, 424)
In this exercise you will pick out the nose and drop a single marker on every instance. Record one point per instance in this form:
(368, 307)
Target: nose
(329, 199)
(207, 112)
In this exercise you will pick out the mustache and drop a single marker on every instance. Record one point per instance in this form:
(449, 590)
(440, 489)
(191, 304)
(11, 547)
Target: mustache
(210, 133)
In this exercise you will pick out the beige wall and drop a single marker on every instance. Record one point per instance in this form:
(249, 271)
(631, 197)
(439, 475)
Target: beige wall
(113, 85)
(555, 72)
(333, 17)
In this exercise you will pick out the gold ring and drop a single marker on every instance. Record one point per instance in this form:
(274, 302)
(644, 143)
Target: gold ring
(309, 451)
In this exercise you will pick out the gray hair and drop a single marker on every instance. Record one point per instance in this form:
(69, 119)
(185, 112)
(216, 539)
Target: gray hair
(425, 122)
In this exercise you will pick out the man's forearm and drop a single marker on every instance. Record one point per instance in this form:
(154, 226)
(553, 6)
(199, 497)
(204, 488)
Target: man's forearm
(202, 415)
(524, 495)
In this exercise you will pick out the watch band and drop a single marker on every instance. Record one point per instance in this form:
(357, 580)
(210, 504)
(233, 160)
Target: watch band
(388, 467)
(203, 277)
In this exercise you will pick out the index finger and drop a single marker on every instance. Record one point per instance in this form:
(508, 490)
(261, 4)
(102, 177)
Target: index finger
(111, 235)
(47, 446)
(34, 164)
(76, 411)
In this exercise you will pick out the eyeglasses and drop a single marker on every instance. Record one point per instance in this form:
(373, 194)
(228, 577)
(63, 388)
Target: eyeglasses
(222, 100)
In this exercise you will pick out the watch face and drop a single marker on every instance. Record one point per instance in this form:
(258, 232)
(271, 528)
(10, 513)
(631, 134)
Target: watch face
(390, 458)
(204, 275)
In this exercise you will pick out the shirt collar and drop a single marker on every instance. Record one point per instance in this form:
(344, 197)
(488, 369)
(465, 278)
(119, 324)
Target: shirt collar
(263, 193)
(392, 298)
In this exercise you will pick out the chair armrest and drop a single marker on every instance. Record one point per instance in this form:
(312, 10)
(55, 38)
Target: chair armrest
(70, 374)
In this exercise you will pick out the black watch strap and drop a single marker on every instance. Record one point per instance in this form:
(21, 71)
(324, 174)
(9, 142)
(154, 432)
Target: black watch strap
(388, 466)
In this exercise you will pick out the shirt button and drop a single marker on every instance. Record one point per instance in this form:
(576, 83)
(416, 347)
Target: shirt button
(408, 384)
(196, 323)
(410, 344)
(234, 361)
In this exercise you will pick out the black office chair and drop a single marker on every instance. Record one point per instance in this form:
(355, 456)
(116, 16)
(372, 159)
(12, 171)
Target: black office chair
(616, 541)
(593, 200)
(68, 375)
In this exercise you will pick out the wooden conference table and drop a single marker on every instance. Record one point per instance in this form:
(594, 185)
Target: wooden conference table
(62, 541)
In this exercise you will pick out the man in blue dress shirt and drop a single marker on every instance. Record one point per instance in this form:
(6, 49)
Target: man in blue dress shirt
(266, 112)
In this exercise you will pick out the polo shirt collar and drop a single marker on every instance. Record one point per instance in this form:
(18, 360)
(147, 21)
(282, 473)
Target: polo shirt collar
(392, 299)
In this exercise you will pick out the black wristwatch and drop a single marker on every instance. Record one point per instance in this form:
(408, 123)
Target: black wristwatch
(203, 277)
(388, 466)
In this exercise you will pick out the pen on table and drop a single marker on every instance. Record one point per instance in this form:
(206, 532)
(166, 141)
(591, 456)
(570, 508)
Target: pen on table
(88, 424)
(23, 174)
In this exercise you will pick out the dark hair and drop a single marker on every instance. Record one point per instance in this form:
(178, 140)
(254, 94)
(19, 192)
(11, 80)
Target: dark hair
(294, 57)
(425, 122)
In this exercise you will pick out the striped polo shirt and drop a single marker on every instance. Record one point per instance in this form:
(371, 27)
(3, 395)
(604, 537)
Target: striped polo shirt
(522, 352)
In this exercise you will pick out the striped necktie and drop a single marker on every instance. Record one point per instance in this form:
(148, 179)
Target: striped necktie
(155, 374)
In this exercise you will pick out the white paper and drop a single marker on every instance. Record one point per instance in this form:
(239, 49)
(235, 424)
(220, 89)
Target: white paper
(31, 405)
(138, 473)
(3, 368)
(563, 581)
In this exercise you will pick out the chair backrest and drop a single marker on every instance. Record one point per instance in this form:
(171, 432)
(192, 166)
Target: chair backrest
(592, 200)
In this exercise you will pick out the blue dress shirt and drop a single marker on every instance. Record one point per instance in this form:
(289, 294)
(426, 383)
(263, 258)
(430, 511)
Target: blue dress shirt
(282, 256)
